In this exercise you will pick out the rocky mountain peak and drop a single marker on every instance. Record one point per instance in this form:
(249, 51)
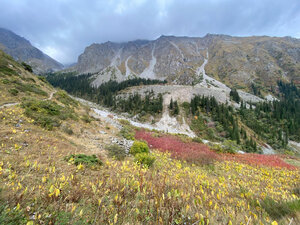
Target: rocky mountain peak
(22, 50)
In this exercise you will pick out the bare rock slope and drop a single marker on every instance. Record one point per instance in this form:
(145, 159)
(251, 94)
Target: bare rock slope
(235, 61)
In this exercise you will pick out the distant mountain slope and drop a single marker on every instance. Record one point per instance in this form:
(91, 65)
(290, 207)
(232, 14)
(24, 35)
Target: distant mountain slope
(236, 61)
(21, 50)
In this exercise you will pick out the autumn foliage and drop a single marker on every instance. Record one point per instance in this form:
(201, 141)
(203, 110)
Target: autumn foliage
(191, 152)
(195, 152)
(258, 159)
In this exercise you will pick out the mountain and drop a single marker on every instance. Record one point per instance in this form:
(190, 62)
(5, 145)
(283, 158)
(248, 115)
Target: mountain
(67, 161)
(235, 61)
(21, 50)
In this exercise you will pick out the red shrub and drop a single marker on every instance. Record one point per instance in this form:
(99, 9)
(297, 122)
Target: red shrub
(192, 152)
(257, 159)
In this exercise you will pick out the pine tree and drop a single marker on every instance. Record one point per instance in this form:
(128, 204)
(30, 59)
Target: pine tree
(176, 108)
(171, 104)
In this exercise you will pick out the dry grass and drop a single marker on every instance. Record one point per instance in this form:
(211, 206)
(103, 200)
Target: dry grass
(36, 180)
(38, 186)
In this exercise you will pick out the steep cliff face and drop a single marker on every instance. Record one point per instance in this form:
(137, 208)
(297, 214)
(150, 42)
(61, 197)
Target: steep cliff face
(21, 50)
(236, 61)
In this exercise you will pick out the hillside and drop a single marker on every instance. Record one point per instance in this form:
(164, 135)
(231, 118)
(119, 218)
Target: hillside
(22, 50)
(256, 124)
(236, 61)
(68, 161)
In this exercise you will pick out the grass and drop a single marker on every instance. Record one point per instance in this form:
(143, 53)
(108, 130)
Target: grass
(279, 209)
(5, 81)
(116, 151)
(13, 91)
(10, 217)
(5, 71)
(86, 118)
(64, 98)
(127, 130)
(127, 133)
(67, 129)
(30, 88)
(122, 192)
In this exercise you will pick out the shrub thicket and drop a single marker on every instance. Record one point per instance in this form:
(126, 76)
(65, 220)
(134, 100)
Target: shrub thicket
(116, 151)
(139, 147)
(145, 159)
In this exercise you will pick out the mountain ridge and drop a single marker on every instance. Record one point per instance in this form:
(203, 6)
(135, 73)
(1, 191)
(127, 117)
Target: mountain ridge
(22, 50)
(235, 61)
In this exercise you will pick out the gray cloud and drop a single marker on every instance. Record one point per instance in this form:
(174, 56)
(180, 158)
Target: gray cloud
(63, 28)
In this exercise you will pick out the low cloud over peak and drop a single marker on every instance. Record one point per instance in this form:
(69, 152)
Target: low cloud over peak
(63, 28)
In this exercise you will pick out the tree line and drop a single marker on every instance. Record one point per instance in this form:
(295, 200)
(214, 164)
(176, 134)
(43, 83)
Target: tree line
(226, 116)
(106, 93)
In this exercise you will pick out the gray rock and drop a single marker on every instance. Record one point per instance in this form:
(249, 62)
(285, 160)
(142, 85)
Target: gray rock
(235, 59)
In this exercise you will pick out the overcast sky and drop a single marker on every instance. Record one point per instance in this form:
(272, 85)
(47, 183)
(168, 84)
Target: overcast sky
(63, 28)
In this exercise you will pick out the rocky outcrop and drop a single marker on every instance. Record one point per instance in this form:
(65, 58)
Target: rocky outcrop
(235, 61)
(21, 50)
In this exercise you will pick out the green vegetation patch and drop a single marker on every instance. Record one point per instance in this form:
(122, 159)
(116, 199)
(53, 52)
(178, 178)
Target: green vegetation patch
(139, 147)
(43, 79)
(10, 216)
(48, 114)
(89, 160)
(13, 91)
(64, 98)
(4, 70)
(30, 88)
(5, 81)
(66, 218)
(144, 159)
(127, 130)
(27, 67)
(141, 153)
(279, 209)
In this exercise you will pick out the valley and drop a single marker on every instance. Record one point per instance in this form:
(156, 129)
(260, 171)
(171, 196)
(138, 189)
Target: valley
(150, 112)
(115, 147)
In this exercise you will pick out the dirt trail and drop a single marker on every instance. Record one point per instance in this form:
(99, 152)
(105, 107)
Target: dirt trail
(9, 105)
(51, 95)
(18, 103)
